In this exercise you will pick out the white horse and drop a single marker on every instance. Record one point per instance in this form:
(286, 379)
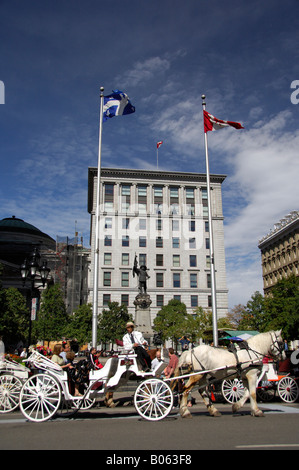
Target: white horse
(221, 363)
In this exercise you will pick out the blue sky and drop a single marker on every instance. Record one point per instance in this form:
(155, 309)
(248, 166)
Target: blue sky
(54, 57)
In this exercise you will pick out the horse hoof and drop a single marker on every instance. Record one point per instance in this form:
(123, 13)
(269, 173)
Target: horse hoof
(258, 414)
(216, 414)
(186, 414)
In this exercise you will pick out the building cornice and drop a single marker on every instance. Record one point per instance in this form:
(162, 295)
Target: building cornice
(154, 176)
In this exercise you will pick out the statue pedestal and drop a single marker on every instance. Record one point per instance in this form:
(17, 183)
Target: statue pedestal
(143, 316)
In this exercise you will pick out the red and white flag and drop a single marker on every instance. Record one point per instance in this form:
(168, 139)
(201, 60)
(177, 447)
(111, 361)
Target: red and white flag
(211, 123)
(159, 143)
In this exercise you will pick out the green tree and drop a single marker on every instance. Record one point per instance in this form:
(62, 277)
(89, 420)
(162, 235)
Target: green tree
(112, 322)
(254, 315)
(282, 307)
(52, 321)
(171, 321)
(80, 324)
(14, 318)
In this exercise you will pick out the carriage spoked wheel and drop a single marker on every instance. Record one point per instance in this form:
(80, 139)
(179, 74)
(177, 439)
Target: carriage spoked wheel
(10, 387)
(232, 390)
(153, 399)
(40, 397)
(288, 389)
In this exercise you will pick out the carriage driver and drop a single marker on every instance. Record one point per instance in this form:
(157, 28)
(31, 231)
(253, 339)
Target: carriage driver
(133, 340)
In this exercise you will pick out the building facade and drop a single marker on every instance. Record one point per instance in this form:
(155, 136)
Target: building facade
(279, 251)
(162, 219)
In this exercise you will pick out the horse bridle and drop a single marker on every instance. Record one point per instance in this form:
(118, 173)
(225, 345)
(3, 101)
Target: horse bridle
(276, 345)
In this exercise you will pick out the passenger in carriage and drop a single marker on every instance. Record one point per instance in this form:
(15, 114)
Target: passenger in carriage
(94, 359)
(134, 341)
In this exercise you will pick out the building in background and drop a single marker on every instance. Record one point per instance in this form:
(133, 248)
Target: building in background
(279, 251)
(162, 218)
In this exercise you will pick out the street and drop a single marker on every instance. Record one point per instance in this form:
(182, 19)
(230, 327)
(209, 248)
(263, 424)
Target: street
(122, 429)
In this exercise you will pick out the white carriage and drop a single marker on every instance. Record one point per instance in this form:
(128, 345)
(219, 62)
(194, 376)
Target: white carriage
(47, 393)
(270, 382)
(12, 377)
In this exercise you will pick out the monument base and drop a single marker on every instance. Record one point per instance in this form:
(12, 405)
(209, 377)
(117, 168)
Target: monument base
(143, 316)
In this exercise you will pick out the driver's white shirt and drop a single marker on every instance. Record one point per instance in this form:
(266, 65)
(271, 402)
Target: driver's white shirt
(138, 338)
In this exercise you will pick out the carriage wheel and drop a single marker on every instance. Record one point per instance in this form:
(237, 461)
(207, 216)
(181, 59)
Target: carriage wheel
(232, 390)
(153, 399)
(265, 392)
(288, 389)
(10, 387)
(40, 397)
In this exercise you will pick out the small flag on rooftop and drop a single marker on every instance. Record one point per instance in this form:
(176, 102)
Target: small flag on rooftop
(159, 143)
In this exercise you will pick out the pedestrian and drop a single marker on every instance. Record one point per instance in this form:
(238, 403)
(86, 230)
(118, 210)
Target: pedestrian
(173, 362)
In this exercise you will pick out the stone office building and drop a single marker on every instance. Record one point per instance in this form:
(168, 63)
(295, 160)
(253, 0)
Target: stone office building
(162, 218)
(280, 251)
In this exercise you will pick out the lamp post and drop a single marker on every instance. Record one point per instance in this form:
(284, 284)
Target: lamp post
(29, 271)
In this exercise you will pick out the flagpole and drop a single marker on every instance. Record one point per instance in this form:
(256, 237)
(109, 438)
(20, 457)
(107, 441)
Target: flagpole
(213, 279)
(157, 156)
(97, 232)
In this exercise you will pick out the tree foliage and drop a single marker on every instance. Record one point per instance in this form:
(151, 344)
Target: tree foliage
(14, 318)
(52, 321)
(80, 324)
(112, 323)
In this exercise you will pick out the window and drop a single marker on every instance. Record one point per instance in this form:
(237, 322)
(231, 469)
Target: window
(208, 261)
(142, 224)
(141, 190)
(193, 280)
(125, 240)
(177, 297)
(174, 200)
(107, 258)
(158, 199)
(159, 280)
(175, 225)
(190, 201)
(159, 242)
(108, 222)
(125, 279)
(107, 279)
(160, 300)
(159, 224)
(209, 284)
(194, 300)
(125, 299)
(176, 280)
(106, 299)
(125, 259)
(192, 243)
(175, 242)
(206, 226)
(193, 261)
(125, 223)
(125, 197)
(191, 225)
(108, 197)
(204, 196)
(108, 240)
(207, 243)
(159, 260)
(176, 260)
(142, 241)
(142, 259)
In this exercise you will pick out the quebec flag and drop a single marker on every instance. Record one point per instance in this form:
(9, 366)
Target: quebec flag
(117, 104)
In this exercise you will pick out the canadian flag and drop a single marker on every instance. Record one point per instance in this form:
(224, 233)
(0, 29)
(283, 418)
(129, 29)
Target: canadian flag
(211, 123)
(159, 143)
